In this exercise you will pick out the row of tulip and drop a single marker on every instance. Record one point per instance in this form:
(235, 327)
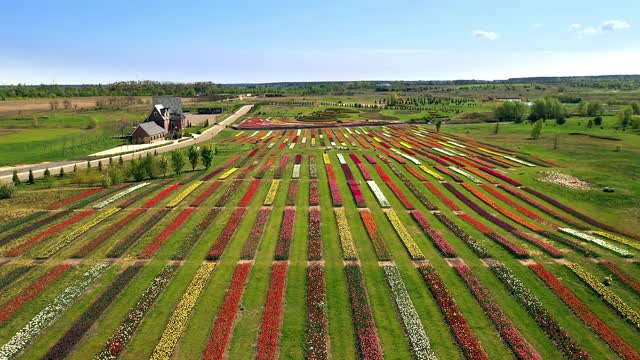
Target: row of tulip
(184, 193)
(286, 234)
(295, 174)
(518, 194)
(119, 195)
(607, 295)
(379, 246)
(34, 226)
(161, 195)
(32, 291)
(20, 221)
(122, 335)
(195, 234)
(21, 340)
(382, 200)
(313, 167)
(547, 323)
(409, 243)
(314, 193)
(500, 176)
(269, 337)
(317, 321)
(336, 197)
(13, 272)
(35, 240)
(292, 195)
(394, 188)
(227, 173)
(81, 326)
(159, 240)
(500, 320)
(255, 235)
(142, 194)
(465, 337)
(273, 191)
(180, 316)
(492, 190)
(600, 242)
(367, 341)
(314, 248)
(251, 192)
(418, 339)
(54, 247)
(349, 251)
(227, 233)
(206, 193)
(361, 166)
(231, 190)
(620, 239)
(583, 312)
(410, 185)
(73, 198)
(436, 237)
(473, 244)
(127, 241)
(280, 169)
(223, 325)
(626, 278)
(353, 185)
(265, 167)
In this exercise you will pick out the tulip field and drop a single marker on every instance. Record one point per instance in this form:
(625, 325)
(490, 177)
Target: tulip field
(359, 242)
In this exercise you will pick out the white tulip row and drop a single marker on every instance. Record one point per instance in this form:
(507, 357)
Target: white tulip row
(296, 171)
(407, 156)
(341, 159)
(119, 195)
(595, 240)
(21, 340)
(384, 202)
(465, 174)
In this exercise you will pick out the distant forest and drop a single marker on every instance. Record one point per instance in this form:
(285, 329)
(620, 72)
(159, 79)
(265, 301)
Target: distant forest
(149, 88)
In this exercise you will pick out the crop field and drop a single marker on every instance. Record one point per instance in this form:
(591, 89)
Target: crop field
(364, 242)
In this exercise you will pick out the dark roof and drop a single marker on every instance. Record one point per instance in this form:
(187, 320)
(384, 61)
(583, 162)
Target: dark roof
(150, 128)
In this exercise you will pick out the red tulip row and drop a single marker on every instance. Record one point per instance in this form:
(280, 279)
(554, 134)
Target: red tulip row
(32, 291)
(353, 186)
(438, 240)
(292, 195)
(161, 196)
(446, 171)
(336, 198)
(314, 193)
(269, 336)
(67, 342)
(74, 198)
(492, 190)
(380, 247)
(298, 159)
(466, 338)
(107, 233)
(360, 165)
(127, 241)
(227, 233)
(313, 167)
(223, 326)
(472, 243)
(435, 191)
(283, 164)
(581, 310)
(500, 176)
(547, 323)
(315, 236)
(409, 184)
(195, 234)
(205, 194)
(317, 323)
(251, 192)
(394, 188)
(219, 170)
(159, 240)
(259, 224)
(265, 167)
(626, 278)
(286, 234)
(229, 192)
(367, 341)
(507, 330)
(35, 240)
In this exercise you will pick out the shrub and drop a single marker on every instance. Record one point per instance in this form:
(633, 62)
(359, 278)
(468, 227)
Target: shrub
(6, 191)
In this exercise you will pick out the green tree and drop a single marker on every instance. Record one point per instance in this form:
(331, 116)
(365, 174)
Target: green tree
(537, 129)
(151, 166)
(636, 107)
(164, 165)
(624, 117)
(438, 125)
(547, 108)
(207, 156)
(193, 155)
(511, 111)
(15, 178)
(561, 121)
(591, 108)
(597, 121)
(61, 174)
(393, 99)
(177, 161)
(32, 180)
(47, 173)
(137, 169)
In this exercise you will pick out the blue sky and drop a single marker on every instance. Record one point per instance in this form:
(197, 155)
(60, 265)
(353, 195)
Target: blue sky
(70, 41)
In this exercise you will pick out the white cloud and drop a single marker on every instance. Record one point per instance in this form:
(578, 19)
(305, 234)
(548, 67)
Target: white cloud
(538, 26)
(607, 26)
(485, 35)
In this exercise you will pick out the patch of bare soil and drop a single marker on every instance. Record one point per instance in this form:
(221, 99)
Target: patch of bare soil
(375, 115)
(565, 180)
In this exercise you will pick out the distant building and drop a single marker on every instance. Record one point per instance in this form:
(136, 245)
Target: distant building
(217, 110)
(148, 132)
(167, 114)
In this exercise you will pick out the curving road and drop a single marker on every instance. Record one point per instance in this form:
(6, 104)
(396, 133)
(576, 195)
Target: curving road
(54, 167)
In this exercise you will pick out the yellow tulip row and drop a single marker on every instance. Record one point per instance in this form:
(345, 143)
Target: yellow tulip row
(184, 194)
(620, 239)
(65, 240)
(227, 173)
(325, 157)
(349, 251)
(181, 314)
(431, 172)
(412, 247)
(624, 310)
(273, 190)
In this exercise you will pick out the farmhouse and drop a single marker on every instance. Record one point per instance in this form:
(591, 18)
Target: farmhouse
(167, 118)
(147, 132)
